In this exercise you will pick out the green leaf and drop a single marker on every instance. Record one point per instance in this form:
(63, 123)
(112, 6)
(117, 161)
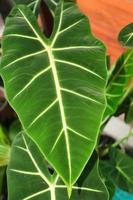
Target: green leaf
(119, 170)
(118, 82)
(27, 165)
(126, 36)
(107, 181)
(56, 85)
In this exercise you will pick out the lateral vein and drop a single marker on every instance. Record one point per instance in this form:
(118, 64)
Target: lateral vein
(79, 66)
(43, 112)
(80, 95)
(31, 81)
(24, 57)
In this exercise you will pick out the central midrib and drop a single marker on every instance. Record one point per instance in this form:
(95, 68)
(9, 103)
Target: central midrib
(57, 86)
(59, 96)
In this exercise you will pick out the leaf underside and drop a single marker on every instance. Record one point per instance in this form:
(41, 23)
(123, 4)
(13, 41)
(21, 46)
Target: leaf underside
(56, 85)
(39, 184)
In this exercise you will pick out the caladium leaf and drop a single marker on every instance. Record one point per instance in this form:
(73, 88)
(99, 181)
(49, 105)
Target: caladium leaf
(118, 169)
(27, 165)
(118, 82)
(56, 85)
(126, 36)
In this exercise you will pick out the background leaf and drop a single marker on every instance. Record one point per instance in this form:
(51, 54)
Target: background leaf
(56, 85)
(126, 36)
(32, 170)
(118, 169)
(118, 83)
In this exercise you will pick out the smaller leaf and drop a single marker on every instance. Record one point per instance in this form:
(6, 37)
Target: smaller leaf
(118, 169)
(126, 36)
(27, 165)
(118, 82)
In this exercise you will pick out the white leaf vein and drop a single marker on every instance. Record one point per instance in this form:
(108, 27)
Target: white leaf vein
(69, 27)
(75, 47)
(31, 81)
(79, 66)
(25, 172)
(37, 194)
(24, 57)
(80, 95)
(43, 112)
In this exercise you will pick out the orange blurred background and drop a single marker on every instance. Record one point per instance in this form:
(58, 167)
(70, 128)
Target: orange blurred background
(107, 17)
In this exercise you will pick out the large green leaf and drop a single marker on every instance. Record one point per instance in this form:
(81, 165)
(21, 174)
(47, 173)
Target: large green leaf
(118, 82)
(126, 36)
(119, 170)
(56, 85)
(28, 166)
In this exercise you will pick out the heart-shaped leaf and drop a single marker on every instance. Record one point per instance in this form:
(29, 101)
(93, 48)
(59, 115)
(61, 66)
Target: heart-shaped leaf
(27, 165)
(56, 85)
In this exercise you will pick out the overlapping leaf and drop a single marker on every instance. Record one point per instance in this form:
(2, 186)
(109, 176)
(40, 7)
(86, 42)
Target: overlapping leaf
(27, 165)
(56, 85)
(118, 169)
(118, 82)
(126, 36)
(120, 79)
